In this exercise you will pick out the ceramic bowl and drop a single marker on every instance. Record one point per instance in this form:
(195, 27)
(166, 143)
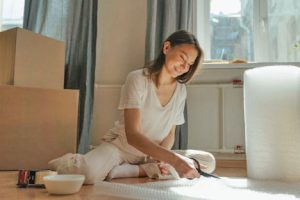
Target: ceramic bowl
(63, 183)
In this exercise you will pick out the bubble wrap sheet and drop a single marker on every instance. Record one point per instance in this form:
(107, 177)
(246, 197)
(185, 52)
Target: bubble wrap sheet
(203, 188)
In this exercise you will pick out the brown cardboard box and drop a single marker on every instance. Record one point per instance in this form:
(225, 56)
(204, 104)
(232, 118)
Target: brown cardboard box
(36, 125)
(30, 59)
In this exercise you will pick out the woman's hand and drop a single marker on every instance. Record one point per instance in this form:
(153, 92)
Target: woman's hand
(185, 167)
(163, 168)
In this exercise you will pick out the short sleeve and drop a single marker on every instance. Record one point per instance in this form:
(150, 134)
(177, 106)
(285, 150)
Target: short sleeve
(179, 118)
(133, 90)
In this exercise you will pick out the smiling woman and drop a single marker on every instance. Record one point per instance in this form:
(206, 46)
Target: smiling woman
(151, 105)
(182, 56)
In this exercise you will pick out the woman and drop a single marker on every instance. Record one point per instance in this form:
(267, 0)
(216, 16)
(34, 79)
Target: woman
(152, 103)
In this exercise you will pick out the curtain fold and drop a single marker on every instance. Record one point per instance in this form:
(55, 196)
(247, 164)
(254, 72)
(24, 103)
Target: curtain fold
(163, 18)
(75, 23)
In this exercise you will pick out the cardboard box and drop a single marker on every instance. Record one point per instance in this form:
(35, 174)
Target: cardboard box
(30, 59)
(36, 125)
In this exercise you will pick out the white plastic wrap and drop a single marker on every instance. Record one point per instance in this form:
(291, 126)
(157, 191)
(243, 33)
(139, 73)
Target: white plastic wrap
(272, 122)
(203, 188)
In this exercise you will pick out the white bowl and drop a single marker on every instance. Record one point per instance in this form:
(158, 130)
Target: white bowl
(63, 183)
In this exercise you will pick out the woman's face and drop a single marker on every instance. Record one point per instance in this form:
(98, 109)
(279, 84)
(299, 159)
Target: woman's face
(178, 59)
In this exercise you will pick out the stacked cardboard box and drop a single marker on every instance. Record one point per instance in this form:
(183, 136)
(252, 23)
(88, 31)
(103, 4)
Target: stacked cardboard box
(38, 118)
(30, 59)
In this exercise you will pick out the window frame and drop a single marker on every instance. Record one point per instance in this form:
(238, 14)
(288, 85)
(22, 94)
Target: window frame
(260, 34)
(1, 8)
(203, 12)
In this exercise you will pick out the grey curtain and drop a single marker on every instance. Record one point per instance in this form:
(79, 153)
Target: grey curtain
(75, 23)
(165, 17)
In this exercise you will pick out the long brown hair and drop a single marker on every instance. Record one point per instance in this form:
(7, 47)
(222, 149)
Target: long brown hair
(177, 38)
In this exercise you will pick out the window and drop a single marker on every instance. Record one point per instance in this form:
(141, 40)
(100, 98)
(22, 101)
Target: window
(252, 30)
(11, 14)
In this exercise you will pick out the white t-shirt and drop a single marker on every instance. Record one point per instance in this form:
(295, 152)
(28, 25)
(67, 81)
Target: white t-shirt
(156, 120)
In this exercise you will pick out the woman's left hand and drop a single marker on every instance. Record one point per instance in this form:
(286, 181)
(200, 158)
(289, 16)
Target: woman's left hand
(163, 168)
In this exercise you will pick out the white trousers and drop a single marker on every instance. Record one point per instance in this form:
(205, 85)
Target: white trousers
(97, 163)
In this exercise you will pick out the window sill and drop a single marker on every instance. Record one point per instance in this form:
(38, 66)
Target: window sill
(229, 156)
(245, 65)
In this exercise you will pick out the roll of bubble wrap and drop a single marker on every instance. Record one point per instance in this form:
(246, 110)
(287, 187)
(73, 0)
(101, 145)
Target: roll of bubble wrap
(272, 122)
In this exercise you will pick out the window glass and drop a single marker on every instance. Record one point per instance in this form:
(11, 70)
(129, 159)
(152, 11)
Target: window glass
(254, 30)
(283, 26)
(231, 30)
(11, 14)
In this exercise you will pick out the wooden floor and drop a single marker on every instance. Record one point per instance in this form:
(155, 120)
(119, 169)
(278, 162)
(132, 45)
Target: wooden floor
(9, 191)
(231, 165)
(226, 167)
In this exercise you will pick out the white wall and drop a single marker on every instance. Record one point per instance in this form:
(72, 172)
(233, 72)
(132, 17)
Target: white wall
(215, 110)
(120, 49)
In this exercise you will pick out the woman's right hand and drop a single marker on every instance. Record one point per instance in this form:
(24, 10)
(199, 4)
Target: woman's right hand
(185, 167)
